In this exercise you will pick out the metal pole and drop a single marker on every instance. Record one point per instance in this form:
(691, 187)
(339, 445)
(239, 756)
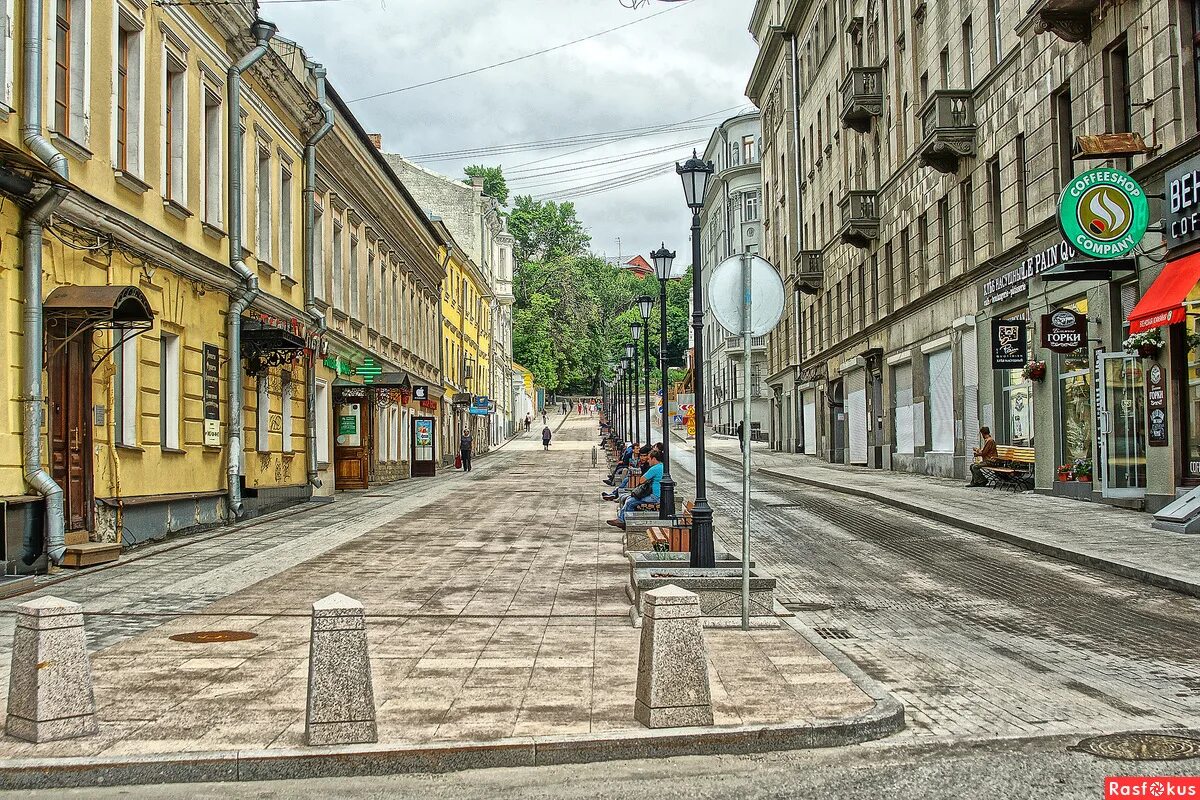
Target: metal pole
(637, 419)
(746, 358)
(666, 503)
(646, 360)
(702, 532)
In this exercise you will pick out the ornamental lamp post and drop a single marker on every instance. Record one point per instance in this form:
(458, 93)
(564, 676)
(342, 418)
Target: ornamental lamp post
(663, 260)
(635, 330)
(625, 401)
(695, 174)
(646, 305)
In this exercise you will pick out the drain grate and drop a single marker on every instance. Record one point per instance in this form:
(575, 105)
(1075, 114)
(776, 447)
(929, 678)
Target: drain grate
(1141, 747)
(208, 637)
(834, 633)
(795, 605)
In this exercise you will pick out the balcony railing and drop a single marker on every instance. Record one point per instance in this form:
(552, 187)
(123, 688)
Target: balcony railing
(733, 344)
(862, 97)
(860, 218)
(1069, 20)
(947, 129)
(809, 272)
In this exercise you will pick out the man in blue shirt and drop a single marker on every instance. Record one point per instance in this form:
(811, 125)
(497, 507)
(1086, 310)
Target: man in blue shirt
(653, 477)
(625, 460)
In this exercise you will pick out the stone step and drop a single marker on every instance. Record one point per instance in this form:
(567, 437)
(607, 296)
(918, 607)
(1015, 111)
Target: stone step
(76, 537)
(15, 584)
(89, 553)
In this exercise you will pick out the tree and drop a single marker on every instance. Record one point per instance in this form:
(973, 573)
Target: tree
(546, 230)
(494, 185)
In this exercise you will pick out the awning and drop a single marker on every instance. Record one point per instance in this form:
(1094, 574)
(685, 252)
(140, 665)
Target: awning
(1163, 302)
(101, 306)
(267, 346)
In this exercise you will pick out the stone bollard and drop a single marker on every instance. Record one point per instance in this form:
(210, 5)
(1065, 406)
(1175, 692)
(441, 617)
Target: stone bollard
(50, 681)
(594, 457)
(672, 686)
(341, 702)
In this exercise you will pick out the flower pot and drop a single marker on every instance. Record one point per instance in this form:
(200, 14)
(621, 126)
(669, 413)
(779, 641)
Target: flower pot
(1064, 476)
(1148, 350)
(1084, 479)
(1037, 372)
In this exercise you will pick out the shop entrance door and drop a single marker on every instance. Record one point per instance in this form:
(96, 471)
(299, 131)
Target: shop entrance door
(351, 443)
(1121, 396)
(424, 447)
(70, 373)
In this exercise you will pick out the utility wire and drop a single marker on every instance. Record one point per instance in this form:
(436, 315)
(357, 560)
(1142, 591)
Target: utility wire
(519, 58)
(599, 163)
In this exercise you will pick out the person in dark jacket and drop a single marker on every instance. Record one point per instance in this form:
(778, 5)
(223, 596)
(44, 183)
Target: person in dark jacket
(986, 453)
(546, 438)
(464, 449)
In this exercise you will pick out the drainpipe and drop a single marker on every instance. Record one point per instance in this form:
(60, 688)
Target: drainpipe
(262, 32)
(310, 267)
(32, 232)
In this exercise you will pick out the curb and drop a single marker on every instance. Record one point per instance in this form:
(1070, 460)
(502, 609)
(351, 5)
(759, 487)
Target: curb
(1111, 566)
(885, 718)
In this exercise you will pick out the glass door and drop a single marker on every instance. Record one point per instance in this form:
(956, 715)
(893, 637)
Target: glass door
(1122, 397)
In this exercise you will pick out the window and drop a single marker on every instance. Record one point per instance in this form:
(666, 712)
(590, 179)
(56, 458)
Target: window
(966, 205)
(168, 391)
(395, 308)
(748, 149)
(1075, 398)
(923, 254)
(996, 31)
(905, 267)
(211, 174)
(1064, 139)
(944, 62)
(1116, 85)
(285, 222)
(285, 408)
(940, 371)
(318, 249)
(1194, 43)
(127, 118)
(371, 288)
(887, 290)
(924, 84)
(6, 51)
(339, 299)
(175, 130)
(1015, 420)
(125, 390)
(1022, 201)
(352, 306)
(995, 210)
(968, 46)
(322, 422)
(944, 235)
(262, 230)
(750, 206)
(62, 67)
(262, 414)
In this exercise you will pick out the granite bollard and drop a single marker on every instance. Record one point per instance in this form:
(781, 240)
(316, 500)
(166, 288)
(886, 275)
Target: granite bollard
(341, 701)
(672, 685)
(50, 680)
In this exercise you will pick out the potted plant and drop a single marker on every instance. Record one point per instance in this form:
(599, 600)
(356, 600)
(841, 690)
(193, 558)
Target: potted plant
(1146, 344)
(1064, 472)
(1193, 340)
(1082, 470)
(1034, 370)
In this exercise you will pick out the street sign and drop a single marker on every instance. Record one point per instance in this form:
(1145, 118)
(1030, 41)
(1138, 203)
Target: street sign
(1181, 222)
(1103, 213)
(1010, 348)
(726, 295)
(1064, 331)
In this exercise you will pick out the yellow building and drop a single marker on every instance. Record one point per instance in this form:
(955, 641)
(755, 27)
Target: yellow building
(466, 349)
(158, 167)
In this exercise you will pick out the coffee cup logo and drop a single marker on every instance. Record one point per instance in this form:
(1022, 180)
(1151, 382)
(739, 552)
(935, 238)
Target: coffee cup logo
(1105, 213)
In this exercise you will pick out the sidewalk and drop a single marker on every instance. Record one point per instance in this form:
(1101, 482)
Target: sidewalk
(1094, 535)
(499, 633)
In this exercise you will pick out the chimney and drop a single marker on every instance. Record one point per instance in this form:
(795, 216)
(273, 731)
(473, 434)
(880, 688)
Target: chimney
(376, 139)
(477, 182)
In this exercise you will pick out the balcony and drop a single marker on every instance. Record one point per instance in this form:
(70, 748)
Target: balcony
(733, 345)
(947, 129)
(860, 218)
(809, 273)
(862, 97)
(1069, 20)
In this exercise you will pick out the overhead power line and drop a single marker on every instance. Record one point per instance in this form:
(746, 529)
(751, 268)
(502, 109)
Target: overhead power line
(506, 62)
(598, 163)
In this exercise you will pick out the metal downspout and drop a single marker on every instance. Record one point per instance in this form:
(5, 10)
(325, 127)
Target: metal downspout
(262, 33)
(32, 346)
(310, 268)
(797, 421)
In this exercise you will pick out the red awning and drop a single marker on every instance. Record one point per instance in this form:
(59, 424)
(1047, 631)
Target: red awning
(1163, 302)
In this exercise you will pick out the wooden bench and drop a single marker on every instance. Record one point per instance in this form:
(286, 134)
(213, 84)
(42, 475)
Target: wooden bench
(670, 540)
(1015, 470)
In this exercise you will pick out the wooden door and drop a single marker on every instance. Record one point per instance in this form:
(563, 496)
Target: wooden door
(70, 374)
(351, 450)
(424, 447)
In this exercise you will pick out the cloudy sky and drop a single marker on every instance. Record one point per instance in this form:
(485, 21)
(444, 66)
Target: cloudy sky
(688, 65)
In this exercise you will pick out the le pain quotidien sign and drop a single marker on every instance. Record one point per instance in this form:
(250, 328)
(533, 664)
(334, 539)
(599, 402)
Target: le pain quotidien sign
(1013, 283)
(1010, 343)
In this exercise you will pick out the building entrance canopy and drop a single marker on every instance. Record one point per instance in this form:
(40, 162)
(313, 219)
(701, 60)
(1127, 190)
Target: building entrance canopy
(1164, 302)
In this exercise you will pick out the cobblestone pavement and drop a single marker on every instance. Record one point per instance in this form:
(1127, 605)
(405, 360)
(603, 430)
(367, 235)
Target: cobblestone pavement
(495, 603)
(978, 638)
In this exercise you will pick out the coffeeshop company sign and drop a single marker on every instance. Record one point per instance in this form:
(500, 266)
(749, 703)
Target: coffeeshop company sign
(1064, 331)
(1103, 213)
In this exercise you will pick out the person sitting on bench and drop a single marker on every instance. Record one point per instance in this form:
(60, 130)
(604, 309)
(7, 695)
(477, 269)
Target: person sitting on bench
(986, 453)
(623, 462)
(648, 490)
(643, 464)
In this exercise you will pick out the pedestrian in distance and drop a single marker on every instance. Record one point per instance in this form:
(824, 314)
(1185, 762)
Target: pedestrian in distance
(987, 455)
(546, 435)
(741, 443)
(528, 422)
(464, 448)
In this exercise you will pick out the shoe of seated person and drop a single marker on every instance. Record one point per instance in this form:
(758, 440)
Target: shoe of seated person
(608, 495)
(608, 481)
(616, 523)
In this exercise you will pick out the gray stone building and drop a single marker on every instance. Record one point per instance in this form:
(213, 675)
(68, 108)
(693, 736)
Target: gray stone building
(914, 153)
(731, 223)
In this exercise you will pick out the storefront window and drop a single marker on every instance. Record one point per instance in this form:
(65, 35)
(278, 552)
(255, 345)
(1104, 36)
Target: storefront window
(1192, 391)
(1015, 420)
(1075, 399)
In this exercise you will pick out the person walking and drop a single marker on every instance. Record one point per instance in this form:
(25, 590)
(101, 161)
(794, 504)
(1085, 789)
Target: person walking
(546, 435)
(528, 422)
(464, 448)
(741, 443)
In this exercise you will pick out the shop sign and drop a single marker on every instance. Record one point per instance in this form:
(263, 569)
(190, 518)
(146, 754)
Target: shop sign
(1010, 340)
(314, 338)
(424, 432)
(481, 401)
(347, 425)
(429, 404)
(1181, 222)
(1064, 331)
(1156, 405)
(369, 370)
(211, 388)
(1103, 213)
(1013, 283)
(420, 392)
(339, 366)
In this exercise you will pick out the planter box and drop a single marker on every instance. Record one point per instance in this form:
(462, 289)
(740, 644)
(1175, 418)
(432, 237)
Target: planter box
(637, 534)
(1077, 490)
(656, 560)
(719, 590)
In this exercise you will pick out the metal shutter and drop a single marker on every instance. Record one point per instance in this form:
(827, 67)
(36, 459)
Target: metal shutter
(856, 412)
(970, 371)
(902, 404)
(810, 423)
(941, 401)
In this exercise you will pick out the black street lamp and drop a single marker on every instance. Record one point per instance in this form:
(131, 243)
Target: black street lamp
(695, 173)
(635, 330)
(663, 260)
(646, 305)
(625, 405)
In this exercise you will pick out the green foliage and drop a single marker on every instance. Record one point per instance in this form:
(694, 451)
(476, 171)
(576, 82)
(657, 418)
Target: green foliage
(494, 185)
(546, 231)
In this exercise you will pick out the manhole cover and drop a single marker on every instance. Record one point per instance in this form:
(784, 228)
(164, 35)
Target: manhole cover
(1141, 747)
(790, 606)
(207, 637)
(834, 633)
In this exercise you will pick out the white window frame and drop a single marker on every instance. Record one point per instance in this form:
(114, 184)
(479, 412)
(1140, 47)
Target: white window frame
(322, 421)
(135, 107)
(175, 189)
(79, 90)
(6, 57)
(262, 413)
(126, 389)
(352, 302)
(262, 203)
(337, 266)
(318, 249)
(372, 322)
(170, 379)
(286, 228)
(287, 398)
(212, 157)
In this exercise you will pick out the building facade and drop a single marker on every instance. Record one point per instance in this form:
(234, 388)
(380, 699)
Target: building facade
(914, 154)
(731, 224)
